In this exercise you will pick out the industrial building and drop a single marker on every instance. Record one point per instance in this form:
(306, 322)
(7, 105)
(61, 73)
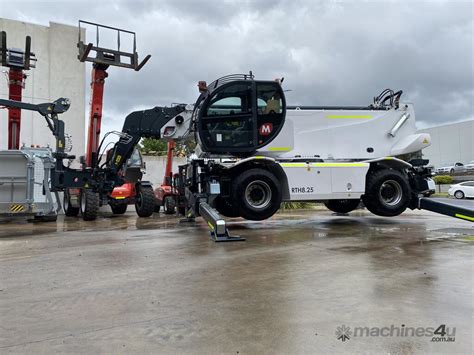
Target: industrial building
(58, 73)
(450, 143)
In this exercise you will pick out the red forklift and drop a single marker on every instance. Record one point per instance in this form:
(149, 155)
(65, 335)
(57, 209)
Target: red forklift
(135, 190)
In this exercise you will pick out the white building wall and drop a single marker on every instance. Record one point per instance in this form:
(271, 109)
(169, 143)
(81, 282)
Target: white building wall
(450, 143)
(58, 73)
(156, 166)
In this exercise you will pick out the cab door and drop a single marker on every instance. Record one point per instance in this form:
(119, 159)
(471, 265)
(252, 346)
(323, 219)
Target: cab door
(227, 120)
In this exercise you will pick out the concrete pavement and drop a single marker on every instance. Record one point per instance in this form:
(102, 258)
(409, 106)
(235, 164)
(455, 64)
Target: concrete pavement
(123, 284)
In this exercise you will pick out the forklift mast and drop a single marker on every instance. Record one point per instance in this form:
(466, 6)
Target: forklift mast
(18, 62)
(99, 74)
(102, 58)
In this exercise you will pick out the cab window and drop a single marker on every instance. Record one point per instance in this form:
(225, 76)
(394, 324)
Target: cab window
(269, 99)
(232, 100)
(269, 111)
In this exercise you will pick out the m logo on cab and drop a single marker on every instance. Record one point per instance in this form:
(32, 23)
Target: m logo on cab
(266, 129)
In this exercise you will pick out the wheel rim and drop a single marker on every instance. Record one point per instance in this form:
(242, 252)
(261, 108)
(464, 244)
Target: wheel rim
(66, 201)
(391, 193)
(258, 194)
(139, 200)
(83, 201)
(459, 194)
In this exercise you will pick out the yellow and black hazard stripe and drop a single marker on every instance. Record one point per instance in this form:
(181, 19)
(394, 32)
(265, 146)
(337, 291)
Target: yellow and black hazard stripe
(15, 208)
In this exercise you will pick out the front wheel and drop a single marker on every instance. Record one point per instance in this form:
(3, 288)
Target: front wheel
(387, 192)
(257, 194)
(459, 194)
(69, 210)
(169, 205)
(342, 206)
(145, 201)
(89, 205)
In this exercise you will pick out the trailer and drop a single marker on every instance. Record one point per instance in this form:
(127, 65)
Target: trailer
(24, 184)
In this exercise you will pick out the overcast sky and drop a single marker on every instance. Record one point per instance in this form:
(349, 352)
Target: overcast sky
(330, 53)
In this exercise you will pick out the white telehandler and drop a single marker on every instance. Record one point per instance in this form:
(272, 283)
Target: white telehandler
(253, 152)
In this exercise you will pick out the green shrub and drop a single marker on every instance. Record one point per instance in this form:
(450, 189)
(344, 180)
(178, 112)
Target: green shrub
(295, 205)
(443, 179)
(153, 146)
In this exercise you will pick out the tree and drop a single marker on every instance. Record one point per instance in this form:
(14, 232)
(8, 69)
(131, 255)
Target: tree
(153, 146)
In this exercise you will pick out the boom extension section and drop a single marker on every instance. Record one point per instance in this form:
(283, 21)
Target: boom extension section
(138, 125)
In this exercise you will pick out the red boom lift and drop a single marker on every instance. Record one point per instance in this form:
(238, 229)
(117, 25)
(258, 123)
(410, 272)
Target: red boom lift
(18, 62)
(166, 195)
(136, 191)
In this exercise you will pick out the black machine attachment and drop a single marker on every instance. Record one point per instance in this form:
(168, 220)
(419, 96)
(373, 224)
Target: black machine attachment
(105, 56)
(15, 58)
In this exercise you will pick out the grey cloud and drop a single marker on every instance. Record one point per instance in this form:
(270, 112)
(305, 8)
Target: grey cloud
(329, 52)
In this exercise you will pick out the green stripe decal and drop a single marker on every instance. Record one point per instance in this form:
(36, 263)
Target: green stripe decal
(324, 165)
(279, 149)
(357, 117)
(467, 218)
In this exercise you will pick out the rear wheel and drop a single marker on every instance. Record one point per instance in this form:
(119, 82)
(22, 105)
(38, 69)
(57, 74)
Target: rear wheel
(225, 207)
(459, 194)
(342, 206)
(69, 210)
(120, 208)
(169, 205)
(145, 201)
(257, 194)
(89, 205)
(387, 192)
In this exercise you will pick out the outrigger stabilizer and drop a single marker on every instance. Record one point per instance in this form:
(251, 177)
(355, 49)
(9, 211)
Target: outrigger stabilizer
(217, 224)
(446, 208)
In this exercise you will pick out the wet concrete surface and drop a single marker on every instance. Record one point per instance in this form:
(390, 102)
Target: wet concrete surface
(124, 284)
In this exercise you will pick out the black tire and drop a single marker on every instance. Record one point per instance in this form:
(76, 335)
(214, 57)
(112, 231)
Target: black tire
(182, 211)
(451, 172)
(459, 194)
(257, 194)
(157, 208)
(145, 201)
(387, 192)
(225, 207)
(169, 205)
(89, 203)
(69, 210)
(342, 206)
(119, 208)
